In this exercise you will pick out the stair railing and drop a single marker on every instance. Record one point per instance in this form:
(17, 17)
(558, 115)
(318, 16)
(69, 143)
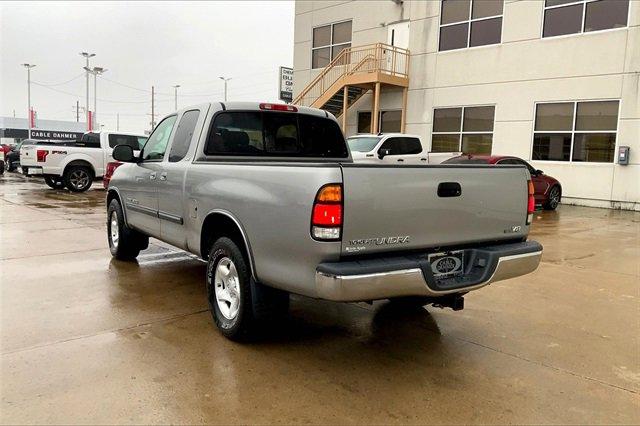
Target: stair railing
(378, 57)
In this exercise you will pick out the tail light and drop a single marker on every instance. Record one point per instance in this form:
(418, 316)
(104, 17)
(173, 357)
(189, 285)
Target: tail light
(111, 167)
(41, 155)
(326, 219)
(531, 202)
(279, 107)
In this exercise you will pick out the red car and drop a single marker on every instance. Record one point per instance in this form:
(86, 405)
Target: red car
(548, 190)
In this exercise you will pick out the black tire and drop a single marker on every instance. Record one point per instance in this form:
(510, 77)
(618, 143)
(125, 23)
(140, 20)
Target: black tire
(555, 194)
(255, 302)
(78, 178)
(1, 167)
(124, 243)
(54, 182)
(10, 166)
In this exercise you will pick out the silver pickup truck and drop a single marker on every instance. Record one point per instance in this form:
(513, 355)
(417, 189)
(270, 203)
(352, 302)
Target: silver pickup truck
(269, 196)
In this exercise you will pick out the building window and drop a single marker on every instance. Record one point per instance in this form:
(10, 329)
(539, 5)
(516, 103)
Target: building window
(576, 131)
(466, 129)
(470, 23)
(576, 16)
(328, 42)
(390, 121)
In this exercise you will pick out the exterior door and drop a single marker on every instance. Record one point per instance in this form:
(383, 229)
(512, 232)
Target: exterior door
(398, 36)
(141, 198)
(172, 208)
(403, 150)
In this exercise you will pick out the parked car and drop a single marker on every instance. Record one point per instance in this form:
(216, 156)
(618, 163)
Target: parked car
(12, 158)
(75, 164)
(393, 148)
(270, 197)
(1, 161)
(548, 190)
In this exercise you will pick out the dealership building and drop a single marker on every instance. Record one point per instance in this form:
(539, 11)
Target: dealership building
(554, 82)
(13, 130)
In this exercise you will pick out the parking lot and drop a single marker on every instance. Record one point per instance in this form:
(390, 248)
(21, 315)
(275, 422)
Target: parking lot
(87, 339)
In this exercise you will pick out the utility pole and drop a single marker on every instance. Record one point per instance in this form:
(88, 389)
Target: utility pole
(175, 96)
(77, 111)
(225, 86)
(153, 114)
(118, 122)
(87, 56)
(28, 67)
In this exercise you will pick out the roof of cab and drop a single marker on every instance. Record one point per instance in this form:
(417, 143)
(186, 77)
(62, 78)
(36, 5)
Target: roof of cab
(256, 106)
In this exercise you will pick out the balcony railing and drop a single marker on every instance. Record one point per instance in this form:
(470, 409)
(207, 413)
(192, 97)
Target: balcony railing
(358, 60)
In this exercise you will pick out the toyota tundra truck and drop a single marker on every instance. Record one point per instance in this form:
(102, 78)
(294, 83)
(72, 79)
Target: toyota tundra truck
(269, 196)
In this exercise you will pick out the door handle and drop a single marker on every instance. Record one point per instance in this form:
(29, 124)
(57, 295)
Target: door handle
(163, 176)
(152, 176)
(400, 160)
(449, 189)
(423, 159)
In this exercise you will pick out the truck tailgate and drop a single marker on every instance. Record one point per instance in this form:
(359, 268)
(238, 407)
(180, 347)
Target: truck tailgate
(389, 208)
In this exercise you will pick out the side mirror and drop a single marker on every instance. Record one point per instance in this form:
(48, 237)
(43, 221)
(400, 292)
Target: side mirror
(539, 172)
(124, 153)
(383, 153)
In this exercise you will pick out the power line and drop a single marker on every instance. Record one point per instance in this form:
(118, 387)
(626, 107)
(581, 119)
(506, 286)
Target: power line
(101, 100)
(59, 84)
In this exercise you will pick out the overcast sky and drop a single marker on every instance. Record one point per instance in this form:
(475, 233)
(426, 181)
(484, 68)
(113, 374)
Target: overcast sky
(140, 44)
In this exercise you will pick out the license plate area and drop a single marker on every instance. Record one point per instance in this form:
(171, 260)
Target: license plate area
(446, 264)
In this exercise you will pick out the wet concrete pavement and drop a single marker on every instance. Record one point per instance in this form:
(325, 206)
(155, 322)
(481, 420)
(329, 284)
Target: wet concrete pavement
(86, 339)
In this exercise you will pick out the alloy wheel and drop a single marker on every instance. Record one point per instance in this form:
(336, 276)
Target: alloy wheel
(79, 179)
(227, 288)
(115, 232)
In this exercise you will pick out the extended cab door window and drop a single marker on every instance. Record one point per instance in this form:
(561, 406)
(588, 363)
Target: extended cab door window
(156, 145)
(184, 134)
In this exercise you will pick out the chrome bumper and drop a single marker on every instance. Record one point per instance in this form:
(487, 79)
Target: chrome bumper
(412, 281)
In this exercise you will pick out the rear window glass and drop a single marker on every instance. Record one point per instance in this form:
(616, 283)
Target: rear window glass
(465, 160)
(275, 134)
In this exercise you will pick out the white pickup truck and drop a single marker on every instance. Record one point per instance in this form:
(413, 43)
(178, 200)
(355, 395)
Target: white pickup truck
(393, 148)
(75, 164)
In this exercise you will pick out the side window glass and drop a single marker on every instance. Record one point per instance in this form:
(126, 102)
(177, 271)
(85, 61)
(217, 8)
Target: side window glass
(132, 141)
(184, 134)
(412, 146)
(394, 145)
(156, 145)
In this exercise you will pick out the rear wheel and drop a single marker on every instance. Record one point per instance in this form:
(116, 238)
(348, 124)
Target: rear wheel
(124, 243)
(54, 182)
(236, 301)
(78, 178)
(553, 199)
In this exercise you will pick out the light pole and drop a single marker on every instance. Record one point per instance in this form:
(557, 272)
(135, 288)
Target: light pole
(87, 56)
(28, 67)
(96, 71)
(175, 96)
(225, 86)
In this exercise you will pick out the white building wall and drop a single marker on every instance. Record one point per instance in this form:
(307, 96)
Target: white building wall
(513, 76)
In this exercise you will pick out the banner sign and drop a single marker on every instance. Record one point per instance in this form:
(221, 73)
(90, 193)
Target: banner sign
(286, 84)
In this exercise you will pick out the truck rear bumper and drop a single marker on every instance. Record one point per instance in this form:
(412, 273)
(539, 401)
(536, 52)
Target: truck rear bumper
(383, 278)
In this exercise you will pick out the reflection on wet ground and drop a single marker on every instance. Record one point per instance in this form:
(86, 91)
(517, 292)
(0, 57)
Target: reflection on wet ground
(88, 339)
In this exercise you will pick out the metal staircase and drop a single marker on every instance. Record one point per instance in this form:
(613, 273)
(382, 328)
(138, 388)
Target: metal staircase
(354, 72)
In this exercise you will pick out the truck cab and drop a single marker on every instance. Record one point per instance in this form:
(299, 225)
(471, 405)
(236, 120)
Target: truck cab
(393, 148)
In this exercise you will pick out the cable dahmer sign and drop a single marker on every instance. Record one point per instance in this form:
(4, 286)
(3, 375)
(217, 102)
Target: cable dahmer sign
(286, 84)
